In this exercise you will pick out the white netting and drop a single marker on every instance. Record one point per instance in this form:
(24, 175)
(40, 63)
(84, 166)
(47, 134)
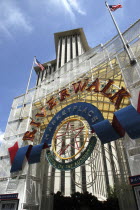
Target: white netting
(3, 185)
(133, 153)
(98, 57)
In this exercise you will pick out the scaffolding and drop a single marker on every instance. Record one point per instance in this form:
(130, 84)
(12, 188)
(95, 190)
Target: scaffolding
(108, 61)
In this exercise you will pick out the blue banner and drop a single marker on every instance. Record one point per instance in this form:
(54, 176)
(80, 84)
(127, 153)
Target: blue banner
(35, 154)
(105, 131)
(19, 158)
(129, 119)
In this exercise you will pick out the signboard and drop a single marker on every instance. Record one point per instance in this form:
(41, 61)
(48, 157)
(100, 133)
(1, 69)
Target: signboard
(9, 196)
(86, 110)
(134, 180)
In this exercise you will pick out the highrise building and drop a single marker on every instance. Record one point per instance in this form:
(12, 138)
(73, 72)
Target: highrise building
(75, 102)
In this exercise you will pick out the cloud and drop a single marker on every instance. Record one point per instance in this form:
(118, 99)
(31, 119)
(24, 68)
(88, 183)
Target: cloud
(75, 5)
(70, 6)
(13, 19)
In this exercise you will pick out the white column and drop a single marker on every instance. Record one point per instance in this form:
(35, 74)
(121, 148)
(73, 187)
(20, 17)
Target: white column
(40, 76)
(79, 45)
(63, 52)
(82, 49)
(74, 46)
(44, 73)
(58, 54)
(68, 48)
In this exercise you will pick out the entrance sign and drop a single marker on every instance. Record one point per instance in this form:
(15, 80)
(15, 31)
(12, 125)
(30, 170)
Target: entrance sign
(126, 120)
(64, 117)
(80, 86)
(88, 111)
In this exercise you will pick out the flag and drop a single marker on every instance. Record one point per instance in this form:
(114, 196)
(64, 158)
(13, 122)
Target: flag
(39, 64)
(115, 7)
(12, 151)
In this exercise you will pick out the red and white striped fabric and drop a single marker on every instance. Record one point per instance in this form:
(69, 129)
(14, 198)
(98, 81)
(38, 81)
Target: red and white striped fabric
(115, 7)
(39, 64)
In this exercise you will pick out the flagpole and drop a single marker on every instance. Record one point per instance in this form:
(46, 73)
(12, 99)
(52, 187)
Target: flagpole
(132, 60)
(27, 88)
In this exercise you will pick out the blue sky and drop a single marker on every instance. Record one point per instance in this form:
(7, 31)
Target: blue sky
(27, 28)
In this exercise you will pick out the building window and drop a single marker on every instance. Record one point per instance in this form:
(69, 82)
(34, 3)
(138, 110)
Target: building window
(50, 70)
(38, 78)
(71, 54)
(76, 45)
(46, 73)
(42, 75)
(54, 67)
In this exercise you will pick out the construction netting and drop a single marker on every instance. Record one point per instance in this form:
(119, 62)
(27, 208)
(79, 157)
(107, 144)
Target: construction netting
(104, 61)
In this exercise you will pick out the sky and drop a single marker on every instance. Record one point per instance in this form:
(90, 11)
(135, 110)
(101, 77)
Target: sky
(27, 28)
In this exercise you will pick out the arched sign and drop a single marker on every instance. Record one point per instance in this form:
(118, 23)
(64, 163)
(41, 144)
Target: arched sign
(124, 120)
(81, 109)
(88, 111)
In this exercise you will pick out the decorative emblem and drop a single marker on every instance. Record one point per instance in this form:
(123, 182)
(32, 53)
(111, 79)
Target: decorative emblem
(75, 162)
(66, 143)
(69, 135)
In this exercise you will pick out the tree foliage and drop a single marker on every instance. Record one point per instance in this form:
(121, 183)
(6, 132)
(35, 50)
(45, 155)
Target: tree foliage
(83, 201)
